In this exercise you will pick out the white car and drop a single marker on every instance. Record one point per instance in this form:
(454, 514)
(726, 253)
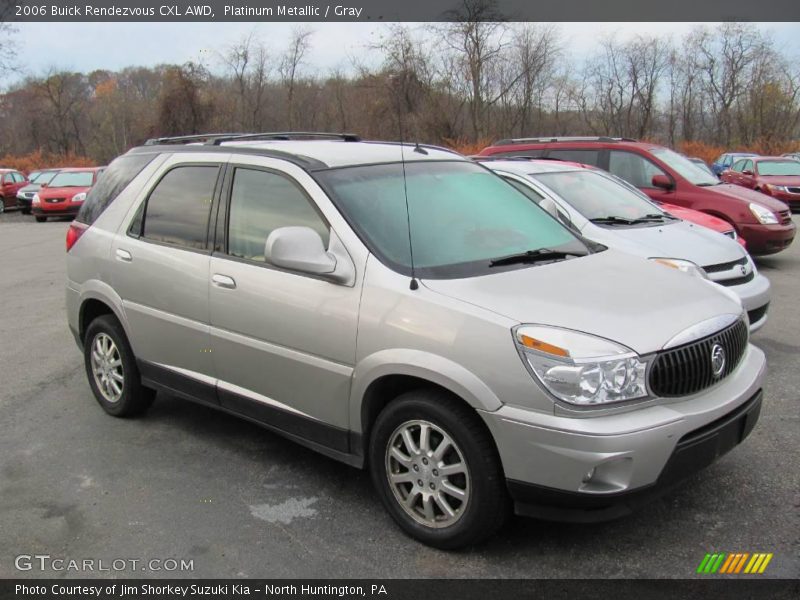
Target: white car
(605, 209)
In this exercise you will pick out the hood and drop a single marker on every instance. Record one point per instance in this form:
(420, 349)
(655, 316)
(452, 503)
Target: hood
(58, 192)
(792, 180)
(31, 187)
(681, 240)
(695, 216)
(609, 294)
(743, 193)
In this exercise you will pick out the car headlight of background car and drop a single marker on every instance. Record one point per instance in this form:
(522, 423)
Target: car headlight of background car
(581, 369)
(686, 266)
(769, 187)
(763, 215)
(79, 197)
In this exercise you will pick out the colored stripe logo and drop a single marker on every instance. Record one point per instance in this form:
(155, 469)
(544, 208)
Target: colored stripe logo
(734, 563)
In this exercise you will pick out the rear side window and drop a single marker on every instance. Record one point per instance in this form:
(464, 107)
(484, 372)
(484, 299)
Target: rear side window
(534, 153)
(115, 179)
(587, 157)
(178, 208)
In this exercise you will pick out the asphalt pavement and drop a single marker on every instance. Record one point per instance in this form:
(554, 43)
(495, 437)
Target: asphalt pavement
(186, 483)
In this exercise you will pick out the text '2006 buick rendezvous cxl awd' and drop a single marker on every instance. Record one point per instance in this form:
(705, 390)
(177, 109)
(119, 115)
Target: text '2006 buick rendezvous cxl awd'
(403, 309)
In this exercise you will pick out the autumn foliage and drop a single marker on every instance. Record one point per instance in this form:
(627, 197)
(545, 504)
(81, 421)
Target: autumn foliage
(709, 152)
(43, 160)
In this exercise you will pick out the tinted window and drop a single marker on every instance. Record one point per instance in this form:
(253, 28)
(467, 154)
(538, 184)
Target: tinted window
(461, 217)
(587, 157)
(262, 202)
(633, 168)
(177, 209)
(738, 165)
(8, 178)
(748, 165)
(18, 177)
(115, 179)
(535, 153)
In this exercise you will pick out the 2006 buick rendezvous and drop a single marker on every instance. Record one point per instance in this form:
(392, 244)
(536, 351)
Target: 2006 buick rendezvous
(403, 309)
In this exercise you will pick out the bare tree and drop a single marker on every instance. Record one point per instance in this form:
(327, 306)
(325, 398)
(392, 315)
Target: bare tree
(289, 68)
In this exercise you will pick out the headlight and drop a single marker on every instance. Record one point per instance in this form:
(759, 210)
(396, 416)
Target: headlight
(775, 188)
(79, 197)
(36, 199)
(685, 266)
(579, 368)
(763, 215)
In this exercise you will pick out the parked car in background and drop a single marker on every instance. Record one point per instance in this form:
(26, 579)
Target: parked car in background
(794, 155)
(777, 176)
(402, 309)
(726, 161)
(666, 176)
(701, 163)
(65, 193)
(607, 210)
(11, 181)
(25, 194)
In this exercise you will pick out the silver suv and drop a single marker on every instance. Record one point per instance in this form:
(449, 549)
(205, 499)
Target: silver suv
(403, 309)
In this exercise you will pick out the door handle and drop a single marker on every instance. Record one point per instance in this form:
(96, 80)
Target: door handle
(123, 255)
(223, 281)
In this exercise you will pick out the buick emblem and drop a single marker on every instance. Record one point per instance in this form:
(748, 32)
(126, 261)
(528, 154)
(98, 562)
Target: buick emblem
(717, 360)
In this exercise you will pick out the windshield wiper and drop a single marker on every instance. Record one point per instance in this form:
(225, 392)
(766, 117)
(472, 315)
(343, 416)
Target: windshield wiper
(612, 221)
(533, 256)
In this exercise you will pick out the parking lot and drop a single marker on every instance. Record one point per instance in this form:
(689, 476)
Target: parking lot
(186, 482)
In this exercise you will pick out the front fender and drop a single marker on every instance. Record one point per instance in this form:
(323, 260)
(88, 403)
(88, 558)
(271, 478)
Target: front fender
(423, 365)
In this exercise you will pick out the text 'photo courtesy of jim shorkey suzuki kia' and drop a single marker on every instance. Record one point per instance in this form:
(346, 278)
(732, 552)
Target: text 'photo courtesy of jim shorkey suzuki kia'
(405, 310)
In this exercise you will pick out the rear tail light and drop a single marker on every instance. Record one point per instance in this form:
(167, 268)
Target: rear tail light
(75, 231)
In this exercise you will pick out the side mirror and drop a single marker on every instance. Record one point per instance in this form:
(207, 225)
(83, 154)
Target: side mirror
(44, 185)
(300, 249)
(549, 206)
(662, 181)
(747, 172)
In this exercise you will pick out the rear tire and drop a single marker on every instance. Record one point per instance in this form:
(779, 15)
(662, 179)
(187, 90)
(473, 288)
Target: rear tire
(449, 498)
(112, 371)
(40, 219)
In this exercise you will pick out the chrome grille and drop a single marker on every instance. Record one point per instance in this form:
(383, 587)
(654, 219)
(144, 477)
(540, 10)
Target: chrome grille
(687, 369)
(736, 280)
(725, 266)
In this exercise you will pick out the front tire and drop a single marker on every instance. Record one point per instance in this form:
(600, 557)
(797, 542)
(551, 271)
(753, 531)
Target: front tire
(112, 371)
(436, 470)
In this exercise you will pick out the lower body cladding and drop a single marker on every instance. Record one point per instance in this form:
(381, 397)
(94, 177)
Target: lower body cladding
(600, 468)
(56, 211)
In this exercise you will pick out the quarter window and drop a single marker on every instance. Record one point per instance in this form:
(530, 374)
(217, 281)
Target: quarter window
(261, 202)
(178, 208)
(586, 157)
(633, 168)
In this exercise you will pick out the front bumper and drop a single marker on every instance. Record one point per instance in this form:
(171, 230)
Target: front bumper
(755, 295)
(56, 210)
(24, 202)
(766, 239)
(596, 468)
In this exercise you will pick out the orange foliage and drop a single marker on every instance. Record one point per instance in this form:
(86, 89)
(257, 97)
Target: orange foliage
(466, 147)
(710, 152)
(43, 160)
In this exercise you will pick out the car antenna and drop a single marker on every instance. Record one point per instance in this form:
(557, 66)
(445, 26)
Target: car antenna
(414, 283)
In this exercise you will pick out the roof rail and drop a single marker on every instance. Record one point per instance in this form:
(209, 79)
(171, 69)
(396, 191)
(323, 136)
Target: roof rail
(282, 135)
(185, 139)
(544, 140)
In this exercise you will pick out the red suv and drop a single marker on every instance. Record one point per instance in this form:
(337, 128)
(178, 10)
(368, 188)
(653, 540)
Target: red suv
(10, 183)
(777, 176)
(65, 193)
(667, 177)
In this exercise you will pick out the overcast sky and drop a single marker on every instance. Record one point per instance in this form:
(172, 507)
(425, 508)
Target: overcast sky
(89, 46)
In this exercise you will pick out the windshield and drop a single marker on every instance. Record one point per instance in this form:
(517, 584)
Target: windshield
(72, 179)
(596, 196)
(44, 177)
(461, 217)
(684, 167)
(778, 167)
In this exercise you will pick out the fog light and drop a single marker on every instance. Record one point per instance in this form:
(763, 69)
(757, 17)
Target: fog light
(588, 477)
